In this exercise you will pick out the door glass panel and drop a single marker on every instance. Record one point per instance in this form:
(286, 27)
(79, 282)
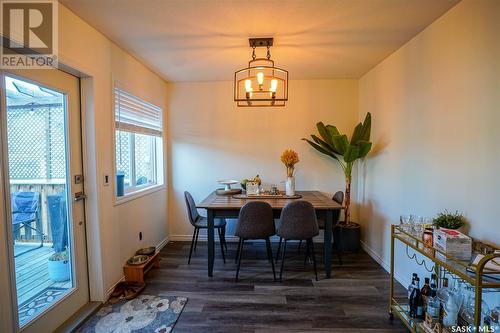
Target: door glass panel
(37, 155)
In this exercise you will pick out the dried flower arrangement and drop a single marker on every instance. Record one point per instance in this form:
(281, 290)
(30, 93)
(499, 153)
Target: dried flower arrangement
(289, 158)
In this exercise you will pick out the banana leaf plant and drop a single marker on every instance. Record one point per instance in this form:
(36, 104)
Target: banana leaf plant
(331, 142)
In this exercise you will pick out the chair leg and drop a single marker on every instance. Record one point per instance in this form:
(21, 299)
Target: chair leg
(338, 247)
(224, 236)
(310, 241)
(192, 243)
(307, 256)
(283, 261)
(221, 242)
(240, 254)
(270, 256)
(237, 252)
(278, 252)
(300, 245)
(196, 239)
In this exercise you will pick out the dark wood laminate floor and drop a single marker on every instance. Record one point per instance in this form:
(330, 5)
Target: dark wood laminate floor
(354, 300)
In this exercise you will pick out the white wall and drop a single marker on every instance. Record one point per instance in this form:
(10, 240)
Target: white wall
(436, 111)
(85, 49)
(210, 138)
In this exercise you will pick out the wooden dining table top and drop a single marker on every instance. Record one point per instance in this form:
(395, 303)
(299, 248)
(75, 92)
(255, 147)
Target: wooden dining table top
(316, 198)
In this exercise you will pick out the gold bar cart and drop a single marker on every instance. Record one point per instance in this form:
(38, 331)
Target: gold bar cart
(473, 275)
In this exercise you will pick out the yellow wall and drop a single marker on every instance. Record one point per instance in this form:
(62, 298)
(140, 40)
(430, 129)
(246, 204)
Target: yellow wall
(436, 116)
(210, 139)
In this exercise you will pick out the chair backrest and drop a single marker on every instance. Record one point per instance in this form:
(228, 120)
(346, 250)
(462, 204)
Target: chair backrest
(298, 221)
(25, 206)
(255, 221)
(191, 207)
(338, 197)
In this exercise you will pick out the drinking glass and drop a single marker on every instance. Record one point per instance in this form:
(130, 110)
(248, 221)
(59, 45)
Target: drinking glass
(417, 224)
(428, 221)
(404, 222)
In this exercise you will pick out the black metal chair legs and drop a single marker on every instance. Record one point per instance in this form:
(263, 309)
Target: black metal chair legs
(239, 255)
(309, 253)
(222, 240)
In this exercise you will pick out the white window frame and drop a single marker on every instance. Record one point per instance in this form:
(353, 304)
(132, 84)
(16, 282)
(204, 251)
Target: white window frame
(157, 171)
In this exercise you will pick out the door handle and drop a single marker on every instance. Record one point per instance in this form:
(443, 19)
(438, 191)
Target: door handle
(80, 196)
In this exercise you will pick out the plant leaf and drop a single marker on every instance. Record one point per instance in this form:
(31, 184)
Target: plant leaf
(340, 143)
(325, 134)
(367, 125)
(357, 134)
(351, 154)
(323, 144)
(364, 148)
(333, 130)
(321, 149)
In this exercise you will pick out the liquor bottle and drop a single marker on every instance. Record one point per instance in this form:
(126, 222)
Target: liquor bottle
(412, 285)
(425, 292)
(420, 307)
(416, 302)
(434, 279)
(433, 304)
(450, 305)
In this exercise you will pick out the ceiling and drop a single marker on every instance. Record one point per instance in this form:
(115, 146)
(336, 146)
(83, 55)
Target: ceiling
(201, 40)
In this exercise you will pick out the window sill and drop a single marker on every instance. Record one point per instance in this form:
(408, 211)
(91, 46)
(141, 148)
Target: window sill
(139, 193)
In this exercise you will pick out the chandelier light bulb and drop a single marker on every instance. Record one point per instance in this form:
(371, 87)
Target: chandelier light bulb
(260, 78)
(248, 85)
(274, 85)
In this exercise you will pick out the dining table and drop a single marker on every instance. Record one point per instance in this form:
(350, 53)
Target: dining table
(228, 206)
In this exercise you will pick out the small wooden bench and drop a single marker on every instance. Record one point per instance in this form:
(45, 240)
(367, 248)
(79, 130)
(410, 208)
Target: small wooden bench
(136, 272)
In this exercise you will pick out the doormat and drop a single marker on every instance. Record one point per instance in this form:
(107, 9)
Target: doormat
(38, 303)
(146, 313)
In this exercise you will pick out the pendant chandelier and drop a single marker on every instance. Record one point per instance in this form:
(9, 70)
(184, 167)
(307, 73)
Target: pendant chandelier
(261, 83)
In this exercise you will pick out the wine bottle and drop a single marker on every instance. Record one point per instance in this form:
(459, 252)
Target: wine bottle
(425, 292)
(434, 280)
(433, 304)
(412, 285)
(416, 304)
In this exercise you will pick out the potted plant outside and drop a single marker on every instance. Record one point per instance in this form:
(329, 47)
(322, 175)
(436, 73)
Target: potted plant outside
(59, 266)
(346, 152)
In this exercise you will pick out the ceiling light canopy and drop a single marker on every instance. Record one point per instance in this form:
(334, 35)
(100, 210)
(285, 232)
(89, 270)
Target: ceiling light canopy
(261, 83)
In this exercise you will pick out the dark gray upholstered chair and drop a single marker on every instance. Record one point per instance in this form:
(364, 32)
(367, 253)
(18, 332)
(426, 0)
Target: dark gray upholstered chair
(298, 222)
(200, 222)
(255, 221)
(338, 197)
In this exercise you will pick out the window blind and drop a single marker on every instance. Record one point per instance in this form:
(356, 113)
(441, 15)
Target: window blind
(135, 115)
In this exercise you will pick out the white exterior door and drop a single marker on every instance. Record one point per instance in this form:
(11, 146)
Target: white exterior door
(43, 222)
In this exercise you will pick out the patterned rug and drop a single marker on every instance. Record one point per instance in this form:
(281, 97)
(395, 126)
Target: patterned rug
(146, 313)
(39, 302)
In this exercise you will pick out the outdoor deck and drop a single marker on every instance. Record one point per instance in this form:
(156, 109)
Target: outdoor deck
(32, 275)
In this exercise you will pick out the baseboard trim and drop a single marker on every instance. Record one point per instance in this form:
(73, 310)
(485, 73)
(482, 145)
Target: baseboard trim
(162, 244)
(375, 256)
(159, 246)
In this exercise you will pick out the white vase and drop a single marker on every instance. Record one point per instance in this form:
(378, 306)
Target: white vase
(290, 186)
